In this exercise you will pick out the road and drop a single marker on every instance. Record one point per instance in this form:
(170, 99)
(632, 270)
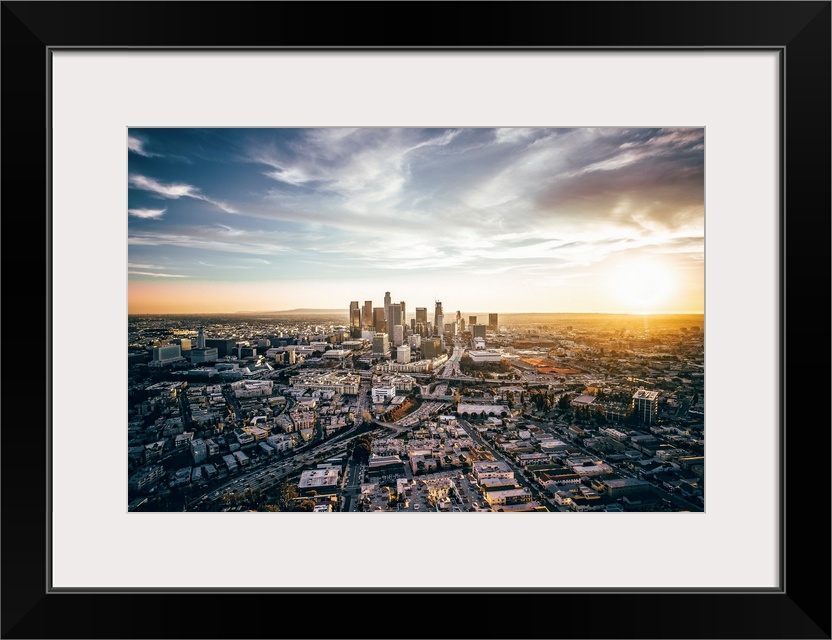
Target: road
(538, 493)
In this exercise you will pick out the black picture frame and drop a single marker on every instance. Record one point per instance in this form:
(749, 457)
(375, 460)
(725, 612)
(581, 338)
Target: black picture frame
(799, 31)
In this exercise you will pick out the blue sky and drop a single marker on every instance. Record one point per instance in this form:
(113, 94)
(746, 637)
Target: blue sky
(509, 220)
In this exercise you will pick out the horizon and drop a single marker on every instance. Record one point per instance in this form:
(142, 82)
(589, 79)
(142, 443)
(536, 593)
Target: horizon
(590, 220)
(464, 313)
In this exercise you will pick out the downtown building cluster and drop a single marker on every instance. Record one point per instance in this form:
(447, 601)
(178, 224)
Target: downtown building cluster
(388, 325)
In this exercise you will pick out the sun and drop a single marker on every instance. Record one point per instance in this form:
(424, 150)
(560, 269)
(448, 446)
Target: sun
(643, 285)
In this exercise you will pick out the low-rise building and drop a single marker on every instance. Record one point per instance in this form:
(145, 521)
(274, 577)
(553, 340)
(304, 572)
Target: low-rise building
(321, 480)
(146, 477)
(492, 469)
(508, 496)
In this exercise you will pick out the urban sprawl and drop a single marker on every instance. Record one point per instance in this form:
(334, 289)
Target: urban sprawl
(377, 408)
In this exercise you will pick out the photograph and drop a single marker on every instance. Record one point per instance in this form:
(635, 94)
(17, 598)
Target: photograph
(476, 261)
(422, 320)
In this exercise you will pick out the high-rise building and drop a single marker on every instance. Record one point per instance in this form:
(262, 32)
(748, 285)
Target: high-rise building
(398, 334)
(355, 320)
(492, 321)
(200, 339)
(646, 406)
(167, 353)
(438, 318)
(381, 345)
(462, 325)
(185, 344)
(478, 331)
(420, 325)
(224, 346)
(403, 354)
(431, 347)
(394, 316)
(404, 312)
(387, 301)
(450, 327)
(413, 325)
(378, 320)
(367, 320)
(472, 320)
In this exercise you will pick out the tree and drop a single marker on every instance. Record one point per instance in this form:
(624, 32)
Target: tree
(361, 452)
(307, 505)
(285, 496)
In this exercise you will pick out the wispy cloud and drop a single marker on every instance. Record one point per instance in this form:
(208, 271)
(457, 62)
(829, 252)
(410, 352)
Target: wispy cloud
(137, 146)
(175, 191)
(147, 213)
(165, 190)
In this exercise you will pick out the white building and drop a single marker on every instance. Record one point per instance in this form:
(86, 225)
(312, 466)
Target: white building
(481, 356)
(403, 354)
(166, 354)
(320, 480)
(280, 442)
(383, 393)
(338, 382)
(252, 388)
(492, 469)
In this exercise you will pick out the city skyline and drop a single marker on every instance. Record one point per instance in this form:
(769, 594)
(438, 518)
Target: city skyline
(514, 220)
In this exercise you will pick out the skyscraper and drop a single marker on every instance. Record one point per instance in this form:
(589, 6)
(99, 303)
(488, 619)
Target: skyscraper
(387, 301)
(394, 316)
(478, 331)
(472, 320)
(438, 319)
(378, 320)
(492, 321)
(367, 321)
(200, 339)
(355, 320)
(404, 312)
(398, 335)
(420, 326)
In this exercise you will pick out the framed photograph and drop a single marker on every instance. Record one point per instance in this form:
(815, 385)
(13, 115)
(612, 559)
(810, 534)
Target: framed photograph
(186, 162)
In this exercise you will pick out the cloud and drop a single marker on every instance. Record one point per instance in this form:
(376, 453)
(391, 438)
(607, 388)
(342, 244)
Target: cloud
(155, 275)
(165, 190)
(175, 191)
(147, 213)
(137, 146)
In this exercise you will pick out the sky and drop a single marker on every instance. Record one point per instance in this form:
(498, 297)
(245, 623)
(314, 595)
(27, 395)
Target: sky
(510, 220)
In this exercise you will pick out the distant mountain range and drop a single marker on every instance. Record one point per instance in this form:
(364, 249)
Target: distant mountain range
(299, 312)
